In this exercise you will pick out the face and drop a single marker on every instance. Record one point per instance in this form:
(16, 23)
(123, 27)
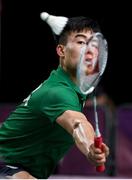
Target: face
(91, 57)
(70, 53)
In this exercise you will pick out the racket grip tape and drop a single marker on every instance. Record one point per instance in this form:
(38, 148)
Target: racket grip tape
(98, 143)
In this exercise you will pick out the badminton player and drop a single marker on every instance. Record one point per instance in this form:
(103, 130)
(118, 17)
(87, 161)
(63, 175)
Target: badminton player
(50, 120)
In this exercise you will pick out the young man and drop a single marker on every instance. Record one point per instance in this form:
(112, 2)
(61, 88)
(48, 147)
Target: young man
(50, 120)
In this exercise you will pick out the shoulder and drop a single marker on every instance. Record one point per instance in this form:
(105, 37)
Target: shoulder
(61, 93)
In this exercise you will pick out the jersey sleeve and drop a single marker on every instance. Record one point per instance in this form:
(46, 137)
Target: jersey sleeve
(57, 101)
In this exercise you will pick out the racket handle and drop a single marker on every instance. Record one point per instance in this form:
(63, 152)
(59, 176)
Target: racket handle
(98, 143)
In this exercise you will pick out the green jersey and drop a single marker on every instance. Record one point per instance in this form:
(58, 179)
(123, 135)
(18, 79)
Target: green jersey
(30, 136)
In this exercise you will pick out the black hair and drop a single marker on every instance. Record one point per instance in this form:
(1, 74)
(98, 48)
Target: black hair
(77, 24)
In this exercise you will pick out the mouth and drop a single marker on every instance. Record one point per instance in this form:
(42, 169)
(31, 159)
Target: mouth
(88, 63)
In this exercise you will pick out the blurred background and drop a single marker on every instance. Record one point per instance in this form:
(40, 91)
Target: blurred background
(27, 56)
(28, 49)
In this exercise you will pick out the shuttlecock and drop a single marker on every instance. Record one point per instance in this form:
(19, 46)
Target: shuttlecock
(57, 23)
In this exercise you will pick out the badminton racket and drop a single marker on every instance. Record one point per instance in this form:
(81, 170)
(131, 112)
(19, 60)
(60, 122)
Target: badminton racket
(91, 65)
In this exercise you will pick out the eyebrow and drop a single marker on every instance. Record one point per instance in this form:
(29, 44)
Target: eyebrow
(80, 35)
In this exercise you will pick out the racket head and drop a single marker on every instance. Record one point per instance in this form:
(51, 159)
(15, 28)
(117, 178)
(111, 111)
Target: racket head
(92, 63)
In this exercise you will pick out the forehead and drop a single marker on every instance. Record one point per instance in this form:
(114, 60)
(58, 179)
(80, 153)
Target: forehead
(86, 33)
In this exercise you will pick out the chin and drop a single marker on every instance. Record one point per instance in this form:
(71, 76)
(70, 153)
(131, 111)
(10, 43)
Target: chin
(88, 72)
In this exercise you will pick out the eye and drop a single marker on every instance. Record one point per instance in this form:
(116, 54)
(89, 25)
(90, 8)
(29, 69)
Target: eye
(81, 42)
(94, 46)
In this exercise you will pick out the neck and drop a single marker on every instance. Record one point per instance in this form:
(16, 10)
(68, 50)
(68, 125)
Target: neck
(71, 73)
(74, 79)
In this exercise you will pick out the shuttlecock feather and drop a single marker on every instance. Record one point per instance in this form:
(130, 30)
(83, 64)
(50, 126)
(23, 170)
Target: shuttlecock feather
(57, 23)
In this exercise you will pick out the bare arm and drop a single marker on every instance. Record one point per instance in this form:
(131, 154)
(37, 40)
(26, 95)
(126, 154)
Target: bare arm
(83, 133)
(79, 127)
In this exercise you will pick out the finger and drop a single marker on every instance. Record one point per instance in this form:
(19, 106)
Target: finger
(105, 149)
(95, 150)
(96, 156)
(100, 162)
(97, 160)
(99, 156)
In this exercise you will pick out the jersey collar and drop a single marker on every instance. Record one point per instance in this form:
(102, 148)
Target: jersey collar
(65, 77)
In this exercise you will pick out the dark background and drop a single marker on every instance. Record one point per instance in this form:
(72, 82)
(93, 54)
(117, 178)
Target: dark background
(28, 48)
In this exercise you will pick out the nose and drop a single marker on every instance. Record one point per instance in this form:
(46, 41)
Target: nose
(89, 55)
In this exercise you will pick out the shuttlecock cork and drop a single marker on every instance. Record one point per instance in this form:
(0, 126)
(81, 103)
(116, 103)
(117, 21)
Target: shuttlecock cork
(57, 23)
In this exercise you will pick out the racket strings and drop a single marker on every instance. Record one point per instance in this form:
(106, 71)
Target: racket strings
(88, 82)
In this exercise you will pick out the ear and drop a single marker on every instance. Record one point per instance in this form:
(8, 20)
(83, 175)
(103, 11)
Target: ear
(60, 50)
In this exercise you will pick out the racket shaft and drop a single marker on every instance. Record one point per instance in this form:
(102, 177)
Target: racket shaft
(98, 143)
